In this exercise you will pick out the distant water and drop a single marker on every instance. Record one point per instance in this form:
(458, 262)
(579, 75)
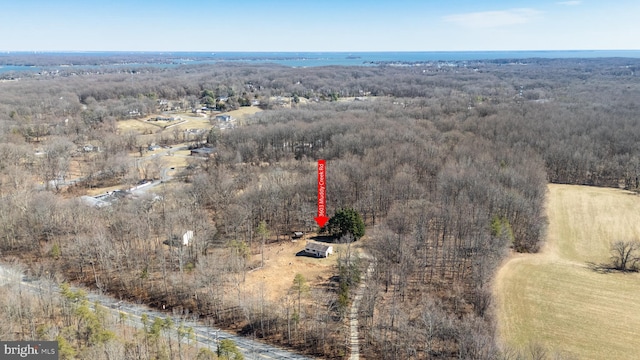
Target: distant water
(292, 59)
(310, 59)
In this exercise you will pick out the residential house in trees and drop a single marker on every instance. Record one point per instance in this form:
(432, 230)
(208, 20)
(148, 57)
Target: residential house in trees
(223, 118)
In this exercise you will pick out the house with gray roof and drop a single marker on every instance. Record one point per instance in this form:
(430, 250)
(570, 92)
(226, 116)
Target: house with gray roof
(318, 249)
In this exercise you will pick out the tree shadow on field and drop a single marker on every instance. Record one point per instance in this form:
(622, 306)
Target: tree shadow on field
(600, 268)
(324, 239)
(608, 268)
(624, 258)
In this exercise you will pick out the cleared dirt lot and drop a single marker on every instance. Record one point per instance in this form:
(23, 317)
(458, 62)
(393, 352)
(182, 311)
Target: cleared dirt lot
(282, 265)
(554, 299)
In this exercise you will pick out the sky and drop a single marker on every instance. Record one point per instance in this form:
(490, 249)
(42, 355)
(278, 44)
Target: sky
(319, 25)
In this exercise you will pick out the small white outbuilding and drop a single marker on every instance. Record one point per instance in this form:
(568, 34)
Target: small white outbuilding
(186, 238)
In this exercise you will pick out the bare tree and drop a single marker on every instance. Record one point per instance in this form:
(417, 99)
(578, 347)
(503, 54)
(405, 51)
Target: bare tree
(625, 255)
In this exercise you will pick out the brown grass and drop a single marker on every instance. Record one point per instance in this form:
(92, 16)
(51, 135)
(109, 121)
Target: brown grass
(554, 299)
(138, 126)
(244, 111)
(282, 265)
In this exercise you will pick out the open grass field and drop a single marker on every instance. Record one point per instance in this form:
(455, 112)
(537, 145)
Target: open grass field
(244, 111)
(178, 159)
(555, 300)
(188, 121)
(137, 126)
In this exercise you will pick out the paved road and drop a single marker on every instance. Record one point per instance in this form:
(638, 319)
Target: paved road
(205, 336)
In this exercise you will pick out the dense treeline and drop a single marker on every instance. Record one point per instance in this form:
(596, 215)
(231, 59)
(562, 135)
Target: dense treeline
(447, 165)
(578, 114)
(446, 206)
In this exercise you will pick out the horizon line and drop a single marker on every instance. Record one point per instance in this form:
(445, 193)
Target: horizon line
(301, 51)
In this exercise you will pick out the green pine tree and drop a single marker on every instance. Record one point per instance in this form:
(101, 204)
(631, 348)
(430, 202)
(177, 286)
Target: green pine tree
(346, 222)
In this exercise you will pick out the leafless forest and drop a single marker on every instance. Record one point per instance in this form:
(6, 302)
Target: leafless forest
(446, 162)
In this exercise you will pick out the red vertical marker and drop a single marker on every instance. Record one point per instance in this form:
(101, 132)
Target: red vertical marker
(322, 218)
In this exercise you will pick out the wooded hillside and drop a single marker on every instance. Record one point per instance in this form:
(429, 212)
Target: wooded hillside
(447, 165)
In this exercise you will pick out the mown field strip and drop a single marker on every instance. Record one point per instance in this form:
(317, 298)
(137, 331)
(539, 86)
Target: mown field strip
(554, 299)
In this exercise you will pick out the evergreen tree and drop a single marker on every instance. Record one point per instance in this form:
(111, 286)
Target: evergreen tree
(346, 222)
(227, 349)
